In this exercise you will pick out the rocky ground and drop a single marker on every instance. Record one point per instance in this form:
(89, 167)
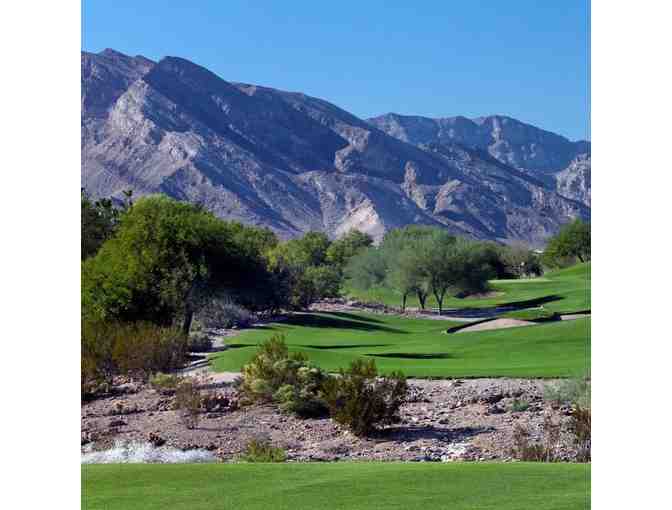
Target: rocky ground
(446, 420)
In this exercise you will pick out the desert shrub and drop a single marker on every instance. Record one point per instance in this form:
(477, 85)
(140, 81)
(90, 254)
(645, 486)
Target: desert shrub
(261, 450)
(569, 391)
(142, 348)
(527, 450)
(361, 400)
(200, 342)
(579, 426)
(275, 375)
(303, 396)
(164, 382)
(222, 312)
(519, 406)
(135, 349)
(188, 403)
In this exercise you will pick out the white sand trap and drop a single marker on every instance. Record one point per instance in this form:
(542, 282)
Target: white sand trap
(496, 324)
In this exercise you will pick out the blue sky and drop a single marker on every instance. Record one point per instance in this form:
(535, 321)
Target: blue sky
(522, 58)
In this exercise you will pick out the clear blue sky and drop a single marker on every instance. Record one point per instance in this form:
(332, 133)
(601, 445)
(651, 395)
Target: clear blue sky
(529, 59)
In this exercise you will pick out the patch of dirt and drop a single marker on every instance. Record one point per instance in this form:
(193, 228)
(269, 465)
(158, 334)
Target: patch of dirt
(496, 324)
(443, 421)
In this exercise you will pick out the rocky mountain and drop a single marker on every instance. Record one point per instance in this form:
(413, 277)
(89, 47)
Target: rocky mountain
(574, 181)
(549, 157)
(292, 162)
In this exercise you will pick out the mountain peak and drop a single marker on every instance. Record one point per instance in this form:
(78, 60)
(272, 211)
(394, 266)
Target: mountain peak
(296, 163)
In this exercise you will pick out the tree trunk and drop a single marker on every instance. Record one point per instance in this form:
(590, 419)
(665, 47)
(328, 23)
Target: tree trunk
(422, 298)
(188, 317)
(403, 303)
(440, 301)
(580, 257)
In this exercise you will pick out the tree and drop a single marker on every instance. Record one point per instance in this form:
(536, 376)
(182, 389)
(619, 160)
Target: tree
(342, 250)
(407, 277)
(98, 222)
(438, 259)
(520, 261)
(366, 269)
(163, 261)
(573, 241)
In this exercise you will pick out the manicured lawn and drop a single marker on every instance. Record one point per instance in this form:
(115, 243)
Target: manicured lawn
(390, 486)
(566, 290)
(421, 348)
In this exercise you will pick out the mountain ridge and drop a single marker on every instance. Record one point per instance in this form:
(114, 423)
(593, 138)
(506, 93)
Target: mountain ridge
(293, 162)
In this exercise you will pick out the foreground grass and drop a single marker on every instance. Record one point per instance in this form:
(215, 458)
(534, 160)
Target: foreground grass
(563, 291)
(388, 486)
(421, 348)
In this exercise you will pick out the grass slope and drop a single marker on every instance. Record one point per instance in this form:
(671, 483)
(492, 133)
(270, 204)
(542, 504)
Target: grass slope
(420, 348)
(564, 291)
(343, 486)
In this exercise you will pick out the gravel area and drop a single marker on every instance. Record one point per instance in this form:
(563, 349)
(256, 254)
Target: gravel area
(447, 420)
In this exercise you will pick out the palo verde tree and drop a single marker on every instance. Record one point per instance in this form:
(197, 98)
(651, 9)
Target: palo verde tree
(165, 258)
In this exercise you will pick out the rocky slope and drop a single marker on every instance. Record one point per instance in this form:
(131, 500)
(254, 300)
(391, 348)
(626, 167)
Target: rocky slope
(292, 162)
(557, 162)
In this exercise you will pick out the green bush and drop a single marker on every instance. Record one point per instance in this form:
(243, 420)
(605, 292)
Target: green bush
(519, 406)
(261, 450)
(361, 400)
(275, 375)
(303, 397)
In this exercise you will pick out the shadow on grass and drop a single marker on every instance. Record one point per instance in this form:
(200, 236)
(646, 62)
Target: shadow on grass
(323, 321)
(353, 316)
(346, 346)
(493, 311)
(414, 355)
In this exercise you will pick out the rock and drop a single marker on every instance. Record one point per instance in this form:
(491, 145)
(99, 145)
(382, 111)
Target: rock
(155, 439)
(117, 423)
(495, 409)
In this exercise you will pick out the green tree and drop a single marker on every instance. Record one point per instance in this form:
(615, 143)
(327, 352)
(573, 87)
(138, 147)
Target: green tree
(164, 259)
(343, 249)
(98, 221)
(573, 241)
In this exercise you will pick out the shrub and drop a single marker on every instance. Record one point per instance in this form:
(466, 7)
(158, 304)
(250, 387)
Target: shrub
(164, 382)
(519, 406)
(200, 342)
(135, 349)
(569, 391)
(302, 398)
(222, 312)
(275, 375)
(361, 400)
(261, 450)
(525, 449)
(579, 426)
(188, 403)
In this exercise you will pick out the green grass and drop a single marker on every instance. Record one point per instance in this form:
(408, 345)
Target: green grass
(421, 348)
(564, 291)
(343, 486)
